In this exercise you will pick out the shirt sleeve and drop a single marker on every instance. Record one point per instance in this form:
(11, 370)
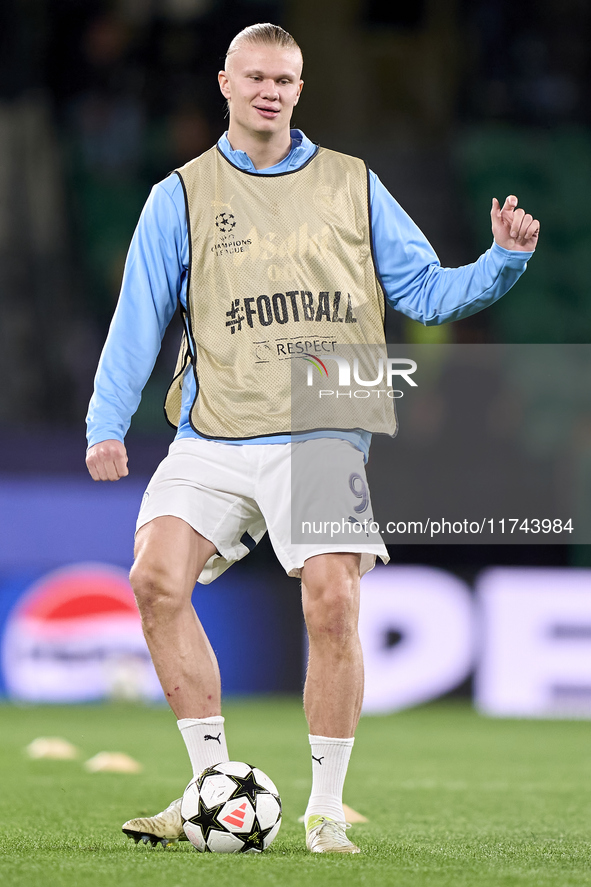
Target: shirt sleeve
(153, 280)
(411, 274)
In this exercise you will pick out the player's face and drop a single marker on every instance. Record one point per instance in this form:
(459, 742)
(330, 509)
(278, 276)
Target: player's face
(262, 85)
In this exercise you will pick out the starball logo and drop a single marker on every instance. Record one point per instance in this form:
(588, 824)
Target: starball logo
(225, 222)
(386, 371)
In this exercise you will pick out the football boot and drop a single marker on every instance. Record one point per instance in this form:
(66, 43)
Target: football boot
(163, 828)
(325, 835)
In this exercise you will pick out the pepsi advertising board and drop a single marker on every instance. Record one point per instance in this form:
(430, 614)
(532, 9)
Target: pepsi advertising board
(76, 636)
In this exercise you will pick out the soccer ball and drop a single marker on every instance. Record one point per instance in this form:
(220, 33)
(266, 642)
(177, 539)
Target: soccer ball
(231, 808)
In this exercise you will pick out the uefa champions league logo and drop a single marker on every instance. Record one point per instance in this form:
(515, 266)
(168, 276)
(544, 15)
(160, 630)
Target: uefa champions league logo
(225, 222)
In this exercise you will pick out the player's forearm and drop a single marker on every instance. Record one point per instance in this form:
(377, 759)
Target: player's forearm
(413, 279)
(102, 424)
(112, 404)
(441, 295)
(125, 366)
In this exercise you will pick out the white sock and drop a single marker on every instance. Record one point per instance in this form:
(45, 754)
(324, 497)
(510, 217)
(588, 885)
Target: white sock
(330, 759)
(205, 741)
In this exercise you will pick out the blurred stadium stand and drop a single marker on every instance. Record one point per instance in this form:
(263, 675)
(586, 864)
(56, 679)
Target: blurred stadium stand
(449, 101)
(550, 169)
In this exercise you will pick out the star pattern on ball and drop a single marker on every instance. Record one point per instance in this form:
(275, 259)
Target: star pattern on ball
(256, 839)
(247, 785)
(206, 817)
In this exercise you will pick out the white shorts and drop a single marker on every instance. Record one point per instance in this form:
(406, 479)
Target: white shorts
(232, 494)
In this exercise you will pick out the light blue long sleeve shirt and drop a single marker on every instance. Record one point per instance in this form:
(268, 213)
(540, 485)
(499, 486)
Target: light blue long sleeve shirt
(155, 278)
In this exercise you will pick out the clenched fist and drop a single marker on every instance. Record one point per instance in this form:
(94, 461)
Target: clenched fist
(107, 460)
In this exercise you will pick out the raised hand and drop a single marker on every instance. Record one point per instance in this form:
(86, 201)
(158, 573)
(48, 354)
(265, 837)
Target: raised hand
(512, 227)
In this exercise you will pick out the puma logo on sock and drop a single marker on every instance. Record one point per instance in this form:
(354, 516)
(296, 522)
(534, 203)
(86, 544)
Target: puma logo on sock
(217, 738)
(320, 760)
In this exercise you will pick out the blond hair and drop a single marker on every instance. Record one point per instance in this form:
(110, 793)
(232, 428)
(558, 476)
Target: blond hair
(264, 34)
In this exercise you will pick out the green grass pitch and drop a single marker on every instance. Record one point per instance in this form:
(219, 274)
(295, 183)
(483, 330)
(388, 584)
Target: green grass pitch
(452, 799)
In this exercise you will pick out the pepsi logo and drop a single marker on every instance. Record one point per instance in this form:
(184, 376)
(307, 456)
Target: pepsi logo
(76, 636)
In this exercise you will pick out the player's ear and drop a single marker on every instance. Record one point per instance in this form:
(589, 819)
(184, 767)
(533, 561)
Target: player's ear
(224, 84)
(301, 86)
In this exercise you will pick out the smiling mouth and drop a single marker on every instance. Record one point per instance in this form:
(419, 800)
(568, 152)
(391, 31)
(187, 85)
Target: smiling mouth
(270, 113)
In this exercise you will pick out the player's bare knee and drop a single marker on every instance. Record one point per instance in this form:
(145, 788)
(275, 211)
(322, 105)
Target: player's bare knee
(154, 589)
(333, 615)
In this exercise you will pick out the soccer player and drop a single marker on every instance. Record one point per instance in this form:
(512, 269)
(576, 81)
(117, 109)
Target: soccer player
(264, 205)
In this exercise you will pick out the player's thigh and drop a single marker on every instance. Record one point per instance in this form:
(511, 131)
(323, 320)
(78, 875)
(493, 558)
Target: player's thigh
(314, 498)
(169, 556)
